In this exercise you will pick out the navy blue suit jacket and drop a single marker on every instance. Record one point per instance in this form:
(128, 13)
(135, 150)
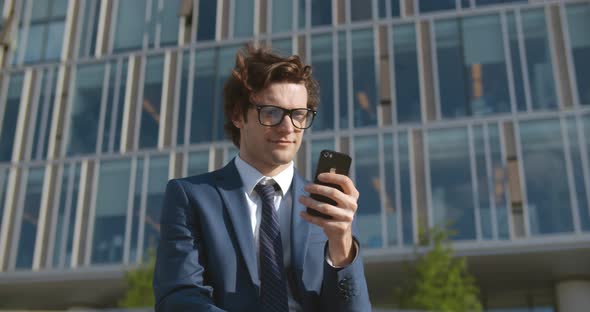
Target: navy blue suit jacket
(206, 258)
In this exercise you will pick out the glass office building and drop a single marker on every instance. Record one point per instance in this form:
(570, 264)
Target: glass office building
(468, 113)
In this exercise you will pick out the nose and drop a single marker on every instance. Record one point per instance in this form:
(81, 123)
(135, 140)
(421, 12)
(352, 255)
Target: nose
(286, 124)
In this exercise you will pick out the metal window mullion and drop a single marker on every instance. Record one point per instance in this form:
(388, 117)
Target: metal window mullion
(335, 80)
(129, 216)
(375, 33)
(158, 22)
(115, 106)
(505, 182)
(25, 23)
(54, 209)
(67, 215)
(472, 4)
(427, 178)
(231, 16)
(18, 218)
(435, 74)
(45, 113)
(491, 181)
(295, 19)
(553, 55)
(194, 24)
(91, 212)
(347, 14)
(189, 96)
(78, 27)
(142, 207)
(398, 198)
(569, 56)
(33, 107)
(474, 182)
(525, 206)
(509, 66)
(382, 191)
(392, 74)
(585, 157)
(349, 78)
(269, 19)
(113, 20)
(414, 205)
(139, 101)
(103, 107)
(570, 173)
(307, 17)
(176, 99)
(255, 19)
(68, 91)
(523, 59)
(146, 24)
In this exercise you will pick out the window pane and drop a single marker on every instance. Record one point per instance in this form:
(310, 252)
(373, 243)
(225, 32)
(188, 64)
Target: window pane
(130, 24)
(198, 162)
(407, 83)
(158, 177)
(578, 172)
(363, 73)
(40, 9)
(516, 63)
(3, 186)
(391, 208)
(136, 213)
(483, 186)
(34, 47)
(578, 19)
(85, 110)
(8, 130)
(118, 107)
(226, 62)
(283, 47)
(207, 19)
(450, 178)
(30, 219)
(368, 184)
(395, 8)
(109, 105)
(472, 44)
(152, 96)
(282, 15)
(538, 60)
(490, 2)
(183, 97)
(360, 10)
(66, 216)
(405, 172)
(111, 212)
(302, 13)
(203, 96)
(44, 111)
(55, 33)
(543, 161)
(321, 60)
(89, 28)
(169, 22)
(500, 183)
(437, 5)
(321, 12)
(243, 18)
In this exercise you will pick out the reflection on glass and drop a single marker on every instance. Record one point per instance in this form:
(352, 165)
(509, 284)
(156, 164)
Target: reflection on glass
(369, 185)
(438, 5)
(44, 110)
(360, 10)
(391, 194)
(157, 179)
(85, 110)
(206, 20)
(282, 15)
(316, 147)
(582, 198)
(62, 252)
(474, 44)
(578, 19)
(450, 177)
(363, 73)
(321, 13)
(549, 205)
(111, 211)
(405, 172)
(130, 24)
(538, 56)
(486, 216)
(201, 124)
(8, 130)
(407, 83)
(46, 29)
(321, 60)
(30, 219)
(150, 106)
(500, 181)
(516, 64)
(198, 162)
(243, 18)
(89, 28)
(169, 21)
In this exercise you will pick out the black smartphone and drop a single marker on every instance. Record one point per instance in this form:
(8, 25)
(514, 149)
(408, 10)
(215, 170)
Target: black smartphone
(329, 161)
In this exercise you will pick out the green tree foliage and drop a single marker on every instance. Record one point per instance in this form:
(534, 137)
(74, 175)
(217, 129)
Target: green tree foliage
(438, 281)
(139, 285)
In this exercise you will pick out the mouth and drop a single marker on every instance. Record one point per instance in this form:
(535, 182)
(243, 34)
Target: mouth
(282, 142)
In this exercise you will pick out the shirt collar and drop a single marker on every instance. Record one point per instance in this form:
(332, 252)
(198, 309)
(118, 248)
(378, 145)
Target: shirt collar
(251, 176)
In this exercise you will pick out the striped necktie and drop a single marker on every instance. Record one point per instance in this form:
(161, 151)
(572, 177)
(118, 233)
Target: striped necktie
(273, 286)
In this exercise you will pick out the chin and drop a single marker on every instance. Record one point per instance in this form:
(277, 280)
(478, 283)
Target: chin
(282, 157)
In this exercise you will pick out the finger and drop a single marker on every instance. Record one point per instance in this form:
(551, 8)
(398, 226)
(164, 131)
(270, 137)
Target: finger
(336, 213)
(339, 197)
(344, 181)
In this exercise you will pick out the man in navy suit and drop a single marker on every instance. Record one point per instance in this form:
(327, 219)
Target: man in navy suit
(239, 238)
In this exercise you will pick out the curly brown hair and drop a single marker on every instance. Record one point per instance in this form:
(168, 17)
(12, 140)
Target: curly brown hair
(256, 68)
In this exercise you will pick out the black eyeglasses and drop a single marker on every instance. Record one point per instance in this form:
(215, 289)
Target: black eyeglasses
(270, 116)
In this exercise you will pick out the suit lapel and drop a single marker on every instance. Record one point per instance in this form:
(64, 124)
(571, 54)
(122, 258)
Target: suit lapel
(231, 189)
(299, 227)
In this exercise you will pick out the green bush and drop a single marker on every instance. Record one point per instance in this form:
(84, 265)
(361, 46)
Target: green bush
(139, 285)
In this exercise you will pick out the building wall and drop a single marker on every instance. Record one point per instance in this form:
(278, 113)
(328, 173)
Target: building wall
(469, 113)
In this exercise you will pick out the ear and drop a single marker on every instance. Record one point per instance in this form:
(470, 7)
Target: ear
(238, 121)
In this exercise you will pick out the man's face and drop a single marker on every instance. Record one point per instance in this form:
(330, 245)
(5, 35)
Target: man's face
(271, 149)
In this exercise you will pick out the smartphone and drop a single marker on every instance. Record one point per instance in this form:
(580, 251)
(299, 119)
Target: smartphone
(329, 161)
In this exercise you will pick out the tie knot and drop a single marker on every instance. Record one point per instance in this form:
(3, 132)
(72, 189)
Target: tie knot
(266, 190)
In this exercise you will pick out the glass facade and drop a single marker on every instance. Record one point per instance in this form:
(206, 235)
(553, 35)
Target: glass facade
(473, 128)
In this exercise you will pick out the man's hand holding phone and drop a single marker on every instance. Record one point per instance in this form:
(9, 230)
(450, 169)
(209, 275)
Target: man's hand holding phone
(336, 216)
